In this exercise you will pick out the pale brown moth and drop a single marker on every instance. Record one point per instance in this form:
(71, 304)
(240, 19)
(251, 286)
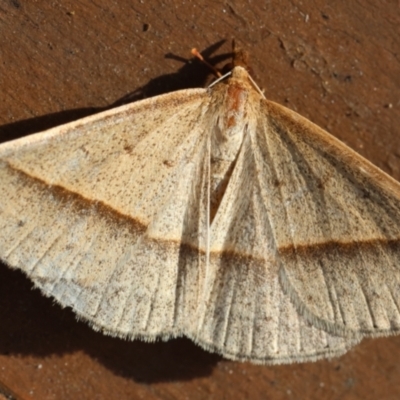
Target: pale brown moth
(208, 213)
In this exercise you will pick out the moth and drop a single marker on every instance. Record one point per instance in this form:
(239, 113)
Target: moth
(214, 214)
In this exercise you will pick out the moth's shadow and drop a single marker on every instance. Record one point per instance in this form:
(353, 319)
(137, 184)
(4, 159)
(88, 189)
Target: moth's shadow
(33, 325)
(192, 74)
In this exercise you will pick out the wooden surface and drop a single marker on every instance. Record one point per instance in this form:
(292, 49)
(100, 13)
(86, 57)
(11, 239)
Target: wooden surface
(337, 63)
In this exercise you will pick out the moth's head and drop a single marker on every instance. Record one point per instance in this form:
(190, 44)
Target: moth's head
(238, 70)
(240, 58)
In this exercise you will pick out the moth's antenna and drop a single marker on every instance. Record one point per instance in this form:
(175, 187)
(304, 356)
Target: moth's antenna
(197, 54)
(220, 78)
(256, 86)
(208, 203)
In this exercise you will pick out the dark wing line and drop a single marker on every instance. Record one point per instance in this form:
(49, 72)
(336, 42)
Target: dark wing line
(343, 264)
(260, 141)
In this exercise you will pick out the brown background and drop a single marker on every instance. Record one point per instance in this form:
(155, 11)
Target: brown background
(335, 62)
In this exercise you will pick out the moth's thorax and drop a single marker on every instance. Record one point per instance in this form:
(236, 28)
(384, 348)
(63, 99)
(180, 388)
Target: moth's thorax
(236, 98)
